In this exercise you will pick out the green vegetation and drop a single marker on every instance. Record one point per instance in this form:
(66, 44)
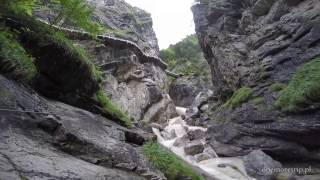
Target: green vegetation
(276, 87)
(186, 58)
(45, 35)
(303, 89)
(18, 7)
(111, 109)
(168, 163)
(74, 13)
(257, 100)
(23, 177)
(242, 95)
(14, 59)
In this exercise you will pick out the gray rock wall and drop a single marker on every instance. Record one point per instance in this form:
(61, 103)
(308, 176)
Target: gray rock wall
(139, 89)
(130, 22)
(256, 44)
(253, 43)
(44, 139)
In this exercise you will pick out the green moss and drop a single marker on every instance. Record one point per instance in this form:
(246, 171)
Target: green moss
(45, 35)
(303, 89)
(23, 177)
(111, 109)
(75, 51)
(276, 87)
(257, 100)
(14, 59)
(5, 94)
(168, 163)
(242, 95)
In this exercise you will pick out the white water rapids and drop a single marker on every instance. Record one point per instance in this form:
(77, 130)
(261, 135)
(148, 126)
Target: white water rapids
(218, 168)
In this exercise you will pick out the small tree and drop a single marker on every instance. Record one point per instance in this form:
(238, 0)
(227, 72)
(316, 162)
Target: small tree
(74, 13)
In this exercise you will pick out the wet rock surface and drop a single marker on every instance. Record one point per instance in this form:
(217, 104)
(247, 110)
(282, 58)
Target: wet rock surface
(53, 140)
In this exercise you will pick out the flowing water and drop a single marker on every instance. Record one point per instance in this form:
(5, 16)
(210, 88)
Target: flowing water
(219, 168)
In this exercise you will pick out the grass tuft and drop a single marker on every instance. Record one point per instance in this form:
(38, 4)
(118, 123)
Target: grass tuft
(14, 59)
(172, 167)
(303, 89)
(111, 109)
(242, 95)
(276, 87)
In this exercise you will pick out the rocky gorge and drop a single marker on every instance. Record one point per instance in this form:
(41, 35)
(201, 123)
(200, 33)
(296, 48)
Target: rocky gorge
(107, 106)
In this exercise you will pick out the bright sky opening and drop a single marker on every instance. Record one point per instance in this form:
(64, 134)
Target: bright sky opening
(172, 19)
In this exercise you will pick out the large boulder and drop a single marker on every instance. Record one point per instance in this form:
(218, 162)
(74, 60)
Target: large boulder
(194, 148)
(261, 166)
(196, 134)
(182, 95)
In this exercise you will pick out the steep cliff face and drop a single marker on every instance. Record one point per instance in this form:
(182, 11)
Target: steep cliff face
(56, 127)
(127, 22)
(260, 45)
(249, 43)
(136, 86)
(139, 89)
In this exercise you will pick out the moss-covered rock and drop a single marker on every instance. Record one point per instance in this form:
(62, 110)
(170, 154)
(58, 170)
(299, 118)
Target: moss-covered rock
(168, 163)
(303, 89)
(257, 100)
(242, 95)
(113, 110)
(14, 60)
(276, 87)
(65, 72)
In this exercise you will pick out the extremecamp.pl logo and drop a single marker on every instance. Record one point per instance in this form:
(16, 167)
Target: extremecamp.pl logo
(300, 171)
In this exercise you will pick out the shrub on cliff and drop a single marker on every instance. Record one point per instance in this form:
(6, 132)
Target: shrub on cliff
(303, 89)
(242, 95)
(14, 59)
(172, 167)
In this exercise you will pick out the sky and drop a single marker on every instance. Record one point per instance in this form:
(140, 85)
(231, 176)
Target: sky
(172, 19)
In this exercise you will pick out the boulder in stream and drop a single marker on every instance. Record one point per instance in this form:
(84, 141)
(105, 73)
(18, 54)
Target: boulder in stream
(261, 166)
(181, 141)
(196, 134)
(194, 148)
(202, 157)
